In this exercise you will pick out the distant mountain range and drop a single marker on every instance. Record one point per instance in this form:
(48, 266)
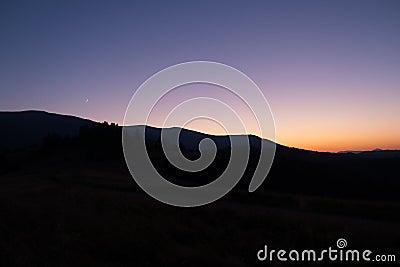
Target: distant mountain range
(373, 153)
(24, 129)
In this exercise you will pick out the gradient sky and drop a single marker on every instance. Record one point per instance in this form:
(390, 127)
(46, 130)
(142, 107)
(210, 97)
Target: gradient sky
(329, 69)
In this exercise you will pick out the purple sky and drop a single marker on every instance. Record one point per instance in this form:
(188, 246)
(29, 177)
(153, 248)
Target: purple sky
(329, 69)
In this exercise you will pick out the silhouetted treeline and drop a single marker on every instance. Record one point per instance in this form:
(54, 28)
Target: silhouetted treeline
(100, 141)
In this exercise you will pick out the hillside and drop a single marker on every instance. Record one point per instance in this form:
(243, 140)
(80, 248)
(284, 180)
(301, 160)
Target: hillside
(72, 202)
(28, 128)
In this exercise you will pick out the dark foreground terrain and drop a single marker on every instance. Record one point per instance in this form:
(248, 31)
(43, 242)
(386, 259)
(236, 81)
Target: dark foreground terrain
(71, 201)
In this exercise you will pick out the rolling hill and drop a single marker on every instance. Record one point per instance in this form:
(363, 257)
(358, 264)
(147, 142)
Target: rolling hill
(28, 128)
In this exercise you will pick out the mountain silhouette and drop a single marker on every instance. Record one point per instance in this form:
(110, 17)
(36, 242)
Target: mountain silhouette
(191, 139)
(71, 193)
(24, 129)
(367, 174)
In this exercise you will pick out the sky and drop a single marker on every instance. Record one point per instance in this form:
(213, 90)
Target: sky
(330, 70)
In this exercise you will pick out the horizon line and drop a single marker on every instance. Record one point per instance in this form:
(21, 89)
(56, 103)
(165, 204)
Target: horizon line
(194, 130)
